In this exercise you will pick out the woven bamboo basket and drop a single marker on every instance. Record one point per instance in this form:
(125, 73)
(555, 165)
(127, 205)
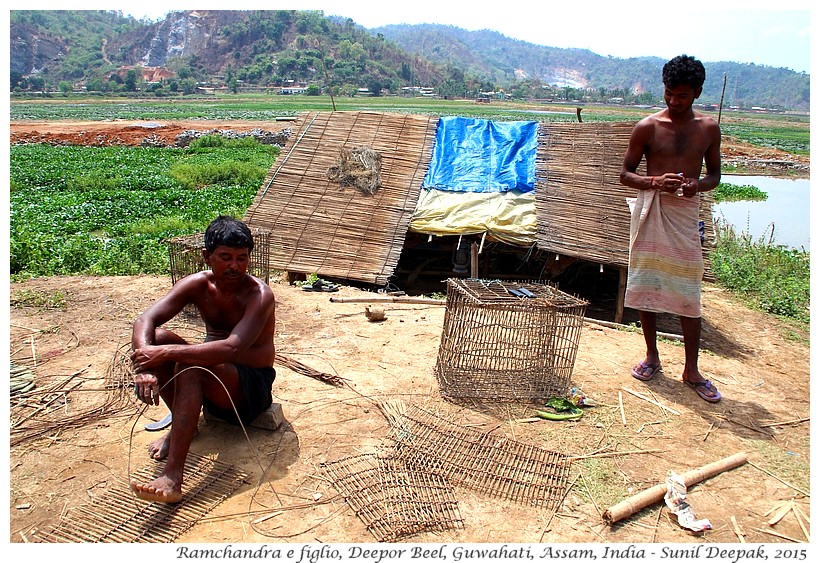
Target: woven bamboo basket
(498, 346)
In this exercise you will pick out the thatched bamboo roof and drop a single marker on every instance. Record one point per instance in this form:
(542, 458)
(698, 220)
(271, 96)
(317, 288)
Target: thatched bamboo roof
(580, 203)
(313, 201)
(338, 201)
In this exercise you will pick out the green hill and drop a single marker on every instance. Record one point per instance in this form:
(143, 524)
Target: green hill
(105, 51)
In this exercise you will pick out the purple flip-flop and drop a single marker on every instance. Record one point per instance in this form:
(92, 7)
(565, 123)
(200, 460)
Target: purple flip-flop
(705, 390)
(645, 371)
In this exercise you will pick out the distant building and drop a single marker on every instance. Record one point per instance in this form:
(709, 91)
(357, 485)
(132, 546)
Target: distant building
(293, 90)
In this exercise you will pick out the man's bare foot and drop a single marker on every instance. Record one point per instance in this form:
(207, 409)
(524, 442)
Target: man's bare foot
(158, 449)
(161, 489)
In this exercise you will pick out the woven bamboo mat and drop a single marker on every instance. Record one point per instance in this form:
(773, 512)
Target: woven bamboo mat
(324, 227)
(119, 517)
(580, 202)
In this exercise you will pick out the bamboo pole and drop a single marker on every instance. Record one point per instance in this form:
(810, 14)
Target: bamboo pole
(620, 326)
(722, 93)
(395, 299)
(635, 503)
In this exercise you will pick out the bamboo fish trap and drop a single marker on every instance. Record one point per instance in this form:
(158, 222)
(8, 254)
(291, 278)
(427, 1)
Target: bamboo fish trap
(393, 499)
(478, 461)
(186, 255)
(498, 346)
(119, 517)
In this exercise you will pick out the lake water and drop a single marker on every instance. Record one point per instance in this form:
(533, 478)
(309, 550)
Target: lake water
(787, 207)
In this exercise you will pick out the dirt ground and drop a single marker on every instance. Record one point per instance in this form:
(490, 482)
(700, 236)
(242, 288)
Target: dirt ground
(618, 450)
(750, 158)
(125, 132)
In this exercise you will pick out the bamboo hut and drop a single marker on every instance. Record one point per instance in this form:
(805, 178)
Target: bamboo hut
(339, 201)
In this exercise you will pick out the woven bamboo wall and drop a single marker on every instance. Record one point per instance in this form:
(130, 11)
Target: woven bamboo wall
(319, 226)
(580, 203)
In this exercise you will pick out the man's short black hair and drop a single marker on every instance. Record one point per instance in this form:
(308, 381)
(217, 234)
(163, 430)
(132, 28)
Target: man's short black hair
(227, 231)
(684, 70)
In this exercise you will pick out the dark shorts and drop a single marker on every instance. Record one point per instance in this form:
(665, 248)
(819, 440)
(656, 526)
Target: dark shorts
(255, 384)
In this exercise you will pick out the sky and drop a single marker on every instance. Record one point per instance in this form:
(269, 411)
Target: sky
(749, 31)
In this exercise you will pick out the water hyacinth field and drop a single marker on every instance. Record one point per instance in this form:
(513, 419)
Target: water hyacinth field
(107, 210)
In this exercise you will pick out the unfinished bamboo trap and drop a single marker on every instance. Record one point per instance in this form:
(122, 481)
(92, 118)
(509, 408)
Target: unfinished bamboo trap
(489, 464)
(119, 517)
(185, 253)
(498, 346)
(392, 499)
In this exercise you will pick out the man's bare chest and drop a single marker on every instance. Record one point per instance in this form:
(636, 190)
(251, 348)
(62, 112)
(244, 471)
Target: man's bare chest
(680, 141)
(221, 312)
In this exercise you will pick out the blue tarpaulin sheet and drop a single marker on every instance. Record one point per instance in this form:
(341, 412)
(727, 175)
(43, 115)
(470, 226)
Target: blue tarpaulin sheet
(479, 155)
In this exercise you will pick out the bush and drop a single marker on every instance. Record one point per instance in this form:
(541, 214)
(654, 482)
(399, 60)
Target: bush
(733, 192)
(772, 277)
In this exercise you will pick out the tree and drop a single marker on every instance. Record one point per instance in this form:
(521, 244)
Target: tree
(405, 73)
(131, 80)
(188, 86)
(375, 86)
(16, 78)
(94, 85)
(65, 87)
(37, 83)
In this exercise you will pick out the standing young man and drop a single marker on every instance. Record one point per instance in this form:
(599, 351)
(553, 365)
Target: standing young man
(665, 257)
(230, 373)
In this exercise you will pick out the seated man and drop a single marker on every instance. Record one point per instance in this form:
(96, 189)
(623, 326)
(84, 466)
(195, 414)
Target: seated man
(230, 373)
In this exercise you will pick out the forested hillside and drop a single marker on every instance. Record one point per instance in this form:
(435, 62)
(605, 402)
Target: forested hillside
(106, 52)
(528, 66)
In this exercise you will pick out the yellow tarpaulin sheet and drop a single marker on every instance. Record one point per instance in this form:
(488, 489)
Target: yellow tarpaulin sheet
(508, 217)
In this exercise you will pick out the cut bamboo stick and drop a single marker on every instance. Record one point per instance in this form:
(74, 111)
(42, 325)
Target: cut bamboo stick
(780, 512)
(738, 531)
(797, 512)
(785, 422)
(773, 533)
(654, 402)
(650, 496)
